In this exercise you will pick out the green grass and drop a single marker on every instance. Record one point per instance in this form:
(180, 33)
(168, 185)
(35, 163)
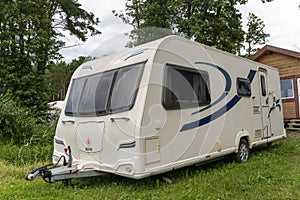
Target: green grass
(271, 173)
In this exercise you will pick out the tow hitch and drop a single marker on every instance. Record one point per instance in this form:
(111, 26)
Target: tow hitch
(52, 173)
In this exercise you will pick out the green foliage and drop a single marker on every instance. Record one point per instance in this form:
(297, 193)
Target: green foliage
(73, 18)
(151, 20)
(59, 75)
(133, 13)
(23, 49)
(214, 23)
(30, 39)
(18, 126)
(255, 34)
(147, 34)
(27, 154)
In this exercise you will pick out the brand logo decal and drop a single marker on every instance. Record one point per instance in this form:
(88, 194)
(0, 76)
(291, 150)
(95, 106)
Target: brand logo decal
(89, 142)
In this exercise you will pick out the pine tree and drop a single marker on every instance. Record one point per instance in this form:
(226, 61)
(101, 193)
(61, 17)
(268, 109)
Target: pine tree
(255, 34)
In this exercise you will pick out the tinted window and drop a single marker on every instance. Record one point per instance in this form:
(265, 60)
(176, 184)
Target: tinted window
(105, 92)
(185, 87)
(263, 85)
(74, 96)
(125, 87)
(243, 87)
(102, 92)
(95, 95)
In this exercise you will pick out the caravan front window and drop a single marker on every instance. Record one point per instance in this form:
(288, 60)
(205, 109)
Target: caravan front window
(74, 96)
(95, 94)
(104, 93)
(125, 88)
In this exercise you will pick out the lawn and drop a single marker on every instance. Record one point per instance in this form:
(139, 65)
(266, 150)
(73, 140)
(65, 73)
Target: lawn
(271, 173)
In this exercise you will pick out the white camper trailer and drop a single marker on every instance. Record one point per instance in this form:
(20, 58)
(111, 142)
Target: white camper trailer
(161, 106)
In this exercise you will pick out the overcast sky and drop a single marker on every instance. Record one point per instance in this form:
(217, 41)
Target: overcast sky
(281, 18)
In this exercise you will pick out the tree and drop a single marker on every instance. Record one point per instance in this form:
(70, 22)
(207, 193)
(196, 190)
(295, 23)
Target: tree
(215, 23)
(255, 34)
(150, 19)
(59, 75)
(133, 13)
(30, 40)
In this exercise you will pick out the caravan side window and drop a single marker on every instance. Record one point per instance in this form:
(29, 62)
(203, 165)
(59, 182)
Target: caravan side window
(243, 86)
(185, 87)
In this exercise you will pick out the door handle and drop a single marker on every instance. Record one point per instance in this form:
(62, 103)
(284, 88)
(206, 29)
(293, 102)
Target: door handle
(86, 122)
(68, 122)
(113, 119)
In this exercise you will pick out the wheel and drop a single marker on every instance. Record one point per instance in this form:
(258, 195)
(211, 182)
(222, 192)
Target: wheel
(243, 153)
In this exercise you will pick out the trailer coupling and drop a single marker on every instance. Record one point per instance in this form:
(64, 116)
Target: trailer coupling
(52, 173)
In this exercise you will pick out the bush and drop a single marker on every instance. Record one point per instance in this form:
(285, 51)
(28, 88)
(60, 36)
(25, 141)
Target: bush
(26, 154)
(19, 127)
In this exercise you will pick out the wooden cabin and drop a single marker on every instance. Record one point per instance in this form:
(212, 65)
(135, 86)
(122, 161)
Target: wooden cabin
(288, 63)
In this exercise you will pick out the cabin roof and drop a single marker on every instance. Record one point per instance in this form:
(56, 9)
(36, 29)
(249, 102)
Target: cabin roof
(268, 49)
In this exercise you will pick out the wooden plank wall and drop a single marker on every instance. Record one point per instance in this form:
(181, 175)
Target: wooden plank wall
(289, 68)
(289, 109)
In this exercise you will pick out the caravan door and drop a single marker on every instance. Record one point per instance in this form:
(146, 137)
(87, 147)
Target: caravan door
(265, 103)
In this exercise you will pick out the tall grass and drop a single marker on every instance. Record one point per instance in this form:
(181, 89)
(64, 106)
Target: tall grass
(26, 154)
(24, 139)
(37, 148)
(18, 126)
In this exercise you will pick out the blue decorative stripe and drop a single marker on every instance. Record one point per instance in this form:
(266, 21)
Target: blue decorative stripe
(213, 116)
(127, 145)
(251, 75)
(224, 94)
(135, 54)
(60, 142)
(226, 90)
(219, 112)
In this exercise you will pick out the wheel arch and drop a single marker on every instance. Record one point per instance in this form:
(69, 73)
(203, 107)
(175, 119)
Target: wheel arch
(241, 135)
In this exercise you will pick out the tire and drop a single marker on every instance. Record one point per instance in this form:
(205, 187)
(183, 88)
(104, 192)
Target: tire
(243, 152)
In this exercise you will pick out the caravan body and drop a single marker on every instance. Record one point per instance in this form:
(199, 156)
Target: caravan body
(164, 105)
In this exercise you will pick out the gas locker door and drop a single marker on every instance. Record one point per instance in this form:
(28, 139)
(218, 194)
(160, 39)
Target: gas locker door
(265, 103)
(89, 137)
